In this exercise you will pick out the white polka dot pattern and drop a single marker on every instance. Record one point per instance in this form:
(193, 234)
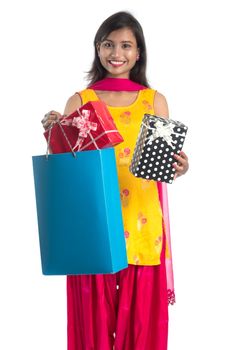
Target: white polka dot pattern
(159, 152)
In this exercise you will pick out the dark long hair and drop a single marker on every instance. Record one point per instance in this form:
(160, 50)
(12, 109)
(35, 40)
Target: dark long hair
(117, 21)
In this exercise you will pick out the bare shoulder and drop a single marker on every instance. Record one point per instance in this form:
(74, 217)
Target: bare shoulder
(72, 104)
(160, 105)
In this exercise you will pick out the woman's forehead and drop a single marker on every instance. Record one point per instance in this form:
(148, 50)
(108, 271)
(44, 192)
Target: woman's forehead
(123, 34)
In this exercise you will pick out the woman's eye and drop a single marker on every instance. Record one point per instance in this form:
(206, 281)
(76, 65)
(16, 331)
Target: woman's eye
(126, 46)
(107, 44)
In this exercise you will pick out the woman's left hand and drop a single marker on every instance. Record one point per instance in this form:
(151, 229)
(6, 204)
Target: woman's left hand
(182, 164)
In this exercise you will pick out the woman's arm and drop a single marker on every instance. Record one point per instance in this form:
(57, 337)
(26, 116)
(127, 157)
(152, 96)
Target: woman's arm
(161, 110)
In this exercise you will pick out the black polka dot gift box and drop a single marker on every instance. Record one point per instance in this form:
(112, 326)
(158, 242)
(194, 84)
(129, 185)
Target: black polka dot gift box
(157, 141)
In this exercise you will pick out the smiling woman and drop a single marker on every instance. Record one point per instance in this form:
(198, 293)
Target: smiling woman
(108, 35)
(118, 53)
(129, 309)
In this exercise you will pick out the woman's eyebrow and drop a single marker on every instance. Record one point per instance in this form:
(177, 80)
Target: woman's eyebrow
(123, 41)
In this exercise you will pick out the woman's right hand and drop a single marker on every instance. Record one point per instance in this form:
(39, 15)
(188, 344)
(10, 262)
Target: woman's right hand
(50, 118)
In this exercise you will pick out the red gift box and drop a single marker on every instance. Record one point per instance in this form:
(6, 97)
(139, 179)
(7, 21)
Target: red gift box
(88, 128)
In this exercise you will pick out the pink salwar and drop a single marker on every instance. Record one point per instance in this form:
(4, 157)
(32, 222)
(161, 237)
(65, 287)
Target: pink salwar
(127, 310)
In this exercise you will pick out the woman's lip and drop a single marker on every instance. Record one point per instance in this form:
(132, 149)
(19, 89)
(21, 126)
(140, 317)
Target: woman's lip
(116, 63)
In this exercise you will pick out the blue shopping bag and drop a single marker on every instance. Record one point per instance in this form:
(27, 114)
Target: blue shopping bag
(79, 213)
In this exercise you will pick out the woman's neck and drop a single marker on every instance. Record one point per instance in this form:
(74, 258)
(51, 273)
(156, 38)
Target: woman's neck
(117, 98)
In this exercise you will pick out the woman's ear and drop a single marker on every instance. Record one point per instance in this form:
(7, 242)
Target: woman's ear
(138, 54)
(98, 48)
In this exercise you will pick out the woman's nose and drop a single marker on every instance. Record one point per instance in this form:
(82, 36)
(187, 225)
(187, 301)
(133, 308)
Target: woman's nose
(116, 51)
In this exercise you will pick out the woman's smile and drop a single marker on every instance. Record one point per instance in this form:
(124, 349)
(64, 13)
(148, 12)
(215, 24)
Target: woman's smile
(116, 63)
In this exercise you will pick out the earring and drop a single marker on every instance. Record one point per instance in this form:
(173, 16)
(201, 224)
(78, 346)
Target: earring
(138, 57)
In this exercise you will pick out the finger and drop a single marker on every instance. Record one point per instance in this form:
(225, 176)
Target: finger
(51, 119)
(55, 117)
(175, 176)
(47, 117)
(51, 114)
(56, 114)
(181, 160)
(46, 126)
(178, 168)
(183, 155)
(48, 123)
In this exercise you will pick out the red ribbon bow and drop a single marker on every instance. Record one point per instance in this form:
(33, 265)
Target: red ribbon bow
(83, 124)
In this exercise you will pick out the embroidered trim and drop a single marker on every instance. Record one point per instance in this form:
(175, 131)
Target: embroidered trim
(171, 296)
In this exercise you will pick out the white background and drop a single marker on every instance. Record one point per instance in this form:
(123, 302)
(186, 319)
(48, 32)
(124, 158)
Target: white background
(46, 48)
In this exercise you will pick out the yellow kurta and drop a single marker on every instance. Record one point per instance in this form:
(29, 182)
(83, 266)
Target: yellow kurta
(142, 215)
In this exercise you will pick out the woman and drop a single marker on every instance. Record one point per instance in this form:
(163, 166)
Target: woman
(127, 310)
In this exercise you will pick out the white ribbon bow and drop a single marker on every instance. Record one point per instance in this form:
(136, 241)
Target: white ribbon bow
(162, 130)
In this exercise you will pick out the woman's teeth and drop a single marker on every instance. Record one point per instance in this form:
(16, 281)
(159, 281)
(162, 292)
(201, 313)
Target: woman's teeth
(116, 63)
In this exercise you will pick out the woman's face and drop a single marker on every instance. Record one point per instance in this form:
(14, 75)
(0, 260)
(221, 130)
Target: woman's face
(118, 53)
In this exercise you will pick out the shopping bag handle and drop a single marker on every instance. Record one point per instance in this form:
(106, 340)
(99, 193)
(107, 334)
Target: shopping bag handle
(65, 135)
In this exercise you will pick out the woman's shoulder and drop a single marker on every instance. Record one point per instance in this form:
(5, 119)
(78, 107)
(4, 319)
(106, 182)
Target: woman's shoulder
(78, 99)
(73, 103)
(160, 105)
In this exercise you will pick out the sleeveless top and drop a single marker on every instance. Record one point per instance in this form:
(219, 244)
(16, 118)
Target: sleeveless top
(141, 210)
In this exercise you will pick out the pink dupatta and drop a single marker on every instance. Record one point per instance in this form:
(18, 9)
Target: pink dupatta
(119, 84)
